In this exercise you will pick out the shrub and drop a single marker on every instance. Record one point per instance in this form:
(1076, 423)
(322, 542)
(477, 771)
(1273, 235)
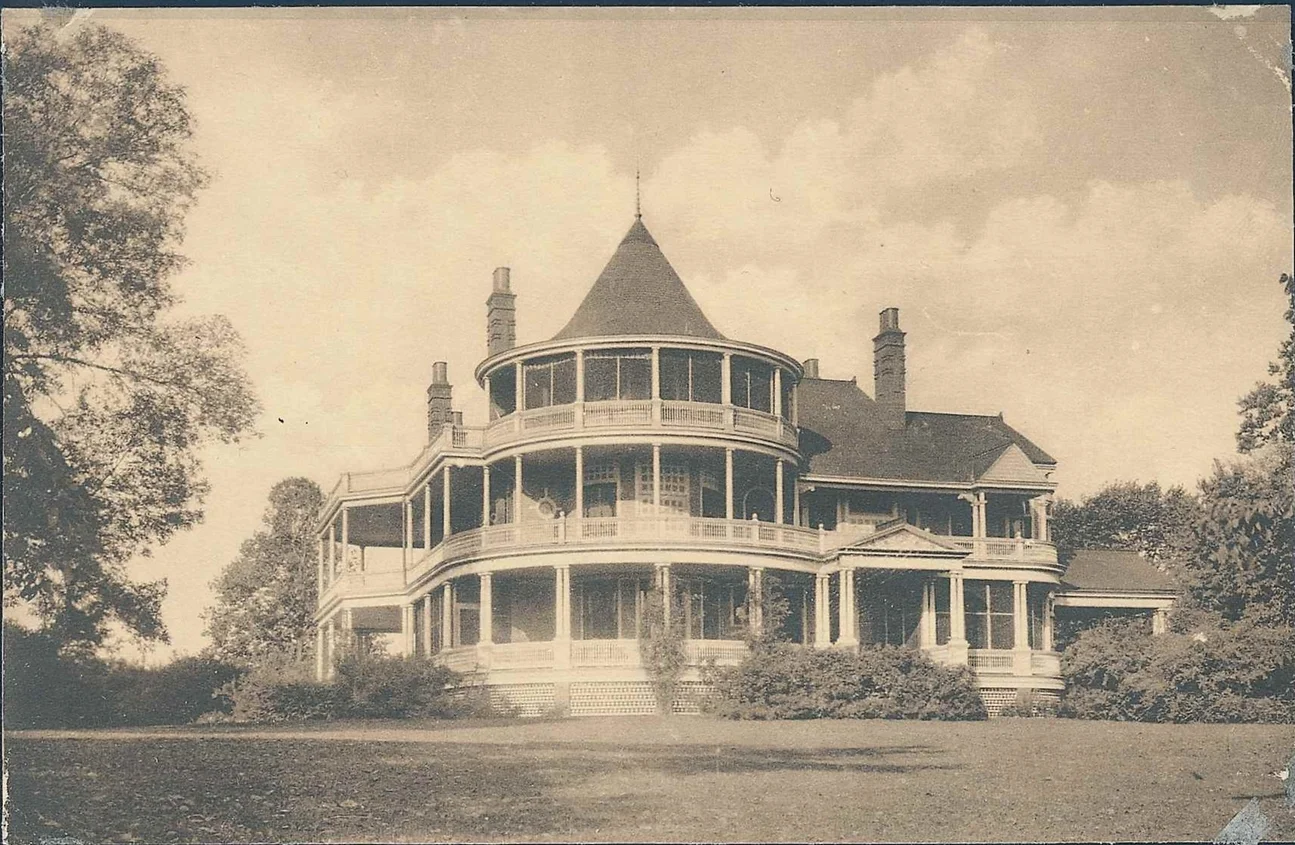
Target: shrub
(783, 681)
(174, 694)
(394, 687)
(282, 690)
(46, 688)
(1219, 672)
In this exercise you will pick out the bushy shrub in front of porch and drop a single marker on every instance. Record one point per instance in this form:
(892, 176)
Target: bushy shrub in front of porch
(1210, 670)
(783, 681)
(366, 686)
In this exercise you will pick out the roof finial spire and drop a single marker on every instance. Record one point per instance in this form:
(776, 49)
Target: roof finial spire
(638, 196)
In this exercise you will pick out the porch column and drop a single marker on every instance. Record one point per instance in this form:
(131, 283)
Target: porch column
(331, 641)
(519, 393)
(795, 404)
(928, 637)
(407, 630)
(445, 501)
(726, 379)
(427, 516)
(656, 385)
(580, 377)
(580, 483)
(1159, 622)
(447, 616)
(485, 495)
(957, 619)
(1041, 517)
(979, 528)
(795, 502)
(332, 550)
(320, 580)
(728, 479)
(517, 489)
(663, 584)
(320, 636)
(777, 489)
(348, 628)
(561, 617)
(656, 478)
(346, 539)
(755, 598)
(777, 391)
(409, 532)
(1049, 621)
(822, 607)
(849, 633)
(427, 626)
(1020, 628)
(487, 613)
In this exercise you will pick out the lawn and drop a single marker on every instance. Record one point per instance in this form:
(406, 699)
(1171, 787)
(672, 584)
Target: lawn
(681, 778)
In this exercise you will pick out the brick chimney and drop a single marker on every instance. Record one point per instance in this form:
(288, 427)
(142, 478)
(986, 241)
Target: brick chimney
(439, 402)
(501, 315)
(888, 369)
(810, 366)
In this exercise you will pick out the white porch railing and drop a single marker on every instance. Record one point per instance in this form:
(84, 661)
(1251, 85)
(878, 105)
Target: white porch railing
(639, 413)
(521, 655)
(461, 659)
(724, 652)
(996, 661)
(1001, 548)
(605, 653)
(364, 583)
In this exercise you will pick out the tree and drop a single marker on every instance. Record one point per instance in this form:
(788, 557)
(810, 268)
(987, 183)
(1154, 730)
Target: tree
(265, 598)
(1245, 560)
(108, 399)
(1128, 516)
(1268, 411)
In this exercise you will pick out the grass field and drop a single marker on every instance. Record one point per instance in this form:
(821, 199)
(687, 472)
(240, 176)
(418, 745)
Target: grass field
(621, 779)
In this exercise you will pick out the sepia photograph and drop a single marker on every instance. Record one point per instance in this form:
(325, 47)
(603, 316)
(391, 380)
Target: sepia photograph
(646, 424)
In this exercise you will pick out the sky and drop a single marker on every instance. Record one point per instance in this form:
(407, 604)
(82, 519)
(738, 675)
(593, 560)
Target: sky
(1082, 214)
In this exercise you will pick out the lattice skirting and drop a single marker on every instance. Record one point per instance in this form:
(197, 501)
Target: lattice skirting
(523, 699)
(1041, 702)
(612, 698)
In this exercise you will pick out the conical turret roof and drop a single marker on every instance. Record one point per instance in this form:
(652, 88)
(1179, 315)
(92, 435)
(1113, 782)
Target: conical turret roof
(638, 293)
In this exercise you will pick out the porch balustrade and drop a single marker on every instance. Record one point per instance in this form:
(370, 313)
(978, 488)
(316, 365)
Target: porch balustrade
(461, 659)
(605, 653)
(364, 583)
(1002, 548)
(640, 413)
(521, 655)
(723, 652)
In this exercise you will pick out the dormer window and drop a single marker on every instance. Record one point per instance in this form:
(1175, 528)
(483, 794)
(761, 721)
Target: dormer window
(624, 374)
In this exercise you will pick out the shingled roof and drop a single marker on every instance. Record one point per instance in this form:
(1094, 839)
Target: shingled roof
(638, 293)
(1103, 570)
(843, 434)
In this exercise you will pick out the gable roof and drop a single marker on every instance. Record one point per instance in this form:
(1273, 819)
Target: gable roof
(904, 539)
(638, 293)
(844, 434)
(1104, 570)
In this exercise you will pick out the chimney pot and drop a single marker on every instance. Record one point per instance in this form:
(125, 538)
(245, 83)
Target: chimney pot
(440, 400)
(890, 320)
(502, 280)
(440, 373)
(810, 366)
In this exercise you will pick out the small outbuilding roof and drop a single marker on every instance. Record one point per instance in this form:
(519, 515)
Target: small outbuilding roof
(638, 293)
(1105, 570)
(844, 434)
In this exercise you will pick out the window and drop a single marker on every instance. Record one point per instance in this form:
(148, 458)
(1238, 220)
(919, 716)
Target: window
(674, 488)
(989, 614)
(601, 484)
(752, 384)
(691, 376)
(608, 609)
(620, 374)
(713, 610)
(550, 381)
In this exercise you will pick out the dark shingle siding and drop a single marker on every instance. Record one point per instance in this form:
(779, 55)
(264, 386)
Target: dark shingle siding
(1105, 570)
(844, 435)
(638, 293)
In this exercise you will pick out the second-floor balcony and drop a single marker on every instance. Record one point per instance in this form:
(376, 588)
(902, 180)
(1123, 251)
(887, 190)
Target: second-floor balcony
(640, 414)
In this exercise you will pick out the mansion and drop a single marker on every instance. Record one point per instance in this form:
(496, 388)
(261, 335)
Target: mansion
(640, 449)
